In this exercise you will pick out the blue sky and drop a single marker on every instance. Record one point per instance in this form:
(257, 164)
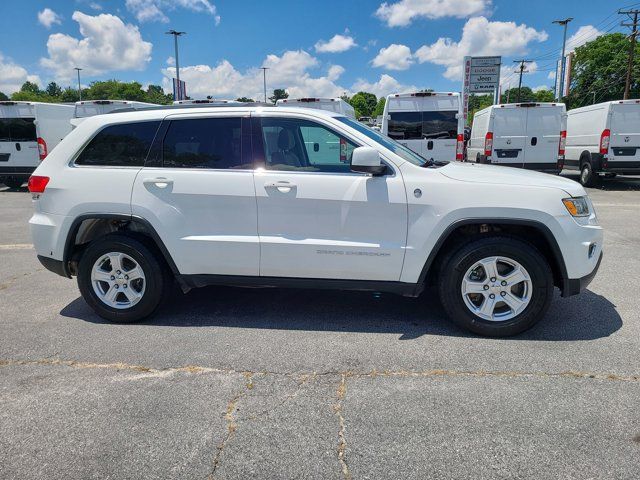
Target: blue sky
(319, 48)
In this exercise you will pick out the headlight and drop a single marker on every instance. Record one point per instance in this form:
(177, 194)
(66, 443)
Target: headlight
(577, 207)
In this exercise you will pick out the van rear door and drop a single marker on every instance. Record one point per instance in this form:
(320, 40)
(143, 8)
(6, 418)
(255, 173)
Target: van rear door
(440, 132)
(406, 128)
(18, 144)
(509, 136)
(544, 124)
(625, 132)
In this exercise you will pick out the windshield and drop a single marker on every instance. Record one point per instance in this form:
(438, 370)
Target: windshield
(385, 141)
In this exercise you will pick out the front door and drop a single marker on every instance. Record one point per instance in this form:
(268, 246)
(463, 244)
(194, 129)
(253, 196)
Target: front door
(200, 196)
(316, 218)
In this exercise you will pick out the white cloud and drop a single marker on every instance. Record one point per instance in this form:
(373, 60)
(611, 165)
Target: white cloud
(153, 10)
(107, 44)
(171, 61)
(585, 34)
(402, 13)
(338, 43)
(394, 57)
(12, 76)
(479, 37)
(289, 71)
(552, 75)
(540, 88)
(48, 17)
(95, 6)
(385, 85)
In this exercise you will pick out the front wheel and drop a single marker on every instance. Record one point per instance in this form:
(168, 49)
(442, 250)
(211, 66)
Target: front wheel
(121, 278)
(496, 286)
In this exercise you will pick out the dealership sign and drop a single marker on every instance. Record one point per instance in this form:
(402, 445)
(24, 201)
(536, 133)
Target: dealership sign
(481, 75)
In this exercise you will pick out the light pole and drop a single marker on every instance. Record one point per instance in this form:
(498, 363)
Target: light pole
(564, 23)
(175, 42)
(264, 79)
(79, 88)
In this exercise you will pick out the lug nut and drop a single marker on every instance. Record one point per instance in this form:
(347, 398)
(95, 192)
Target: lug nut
(503, 293)
(124, 286)
(112, 277)
(116, 287)
(126, 277)
(503, 283)
(493, 279)
(486, 287)
(118, 272)
(492, 296)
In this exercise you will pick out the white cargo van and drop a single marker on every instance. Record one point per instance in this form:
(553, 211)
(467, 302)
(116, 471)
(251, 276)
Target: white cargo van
(28, 132)
(604, 140)
(88, 108)
(336, 105)
(429, 123)
(524, 135)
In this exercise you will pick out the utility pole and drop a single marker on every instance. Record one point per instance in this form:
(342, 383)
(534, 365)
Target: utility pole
(175, 43)
(564, 23)
(521, 70)
(632, 45)
(79, 87)
(264, 78)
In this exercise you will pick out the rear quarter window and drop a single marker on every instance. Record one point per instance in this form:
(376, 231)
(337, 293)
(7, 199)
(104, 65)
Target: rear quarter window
(122, 145)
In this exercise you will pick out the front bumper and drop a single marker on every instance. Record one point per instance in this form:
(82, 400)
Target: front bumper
(574, 286)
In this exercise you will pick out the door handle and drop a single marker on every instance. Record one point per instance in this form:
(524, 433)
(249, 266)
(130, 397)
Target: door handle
(284, 187)
(534, 141)
(159, 182)
(430, 145)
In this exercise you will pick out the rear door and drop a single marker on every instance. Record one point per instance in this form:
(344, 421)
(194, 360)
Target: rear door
(18, 144)
(509, 136)
(197, 192)
(406, 128)
(543, 137)
(440, 132)
(625, 133)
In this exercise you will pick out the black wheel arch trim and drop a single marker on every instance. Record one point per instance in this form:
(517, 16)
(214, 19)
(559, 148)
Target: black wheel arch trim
(75, 226)
(549, 237)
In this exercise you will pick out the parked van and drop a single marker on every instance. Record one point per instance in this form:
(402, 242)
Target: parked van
(28, 132)
(336, 105)
(524, 135)
(604, 140)
(207, 101)
(429, 123)
(88, 108)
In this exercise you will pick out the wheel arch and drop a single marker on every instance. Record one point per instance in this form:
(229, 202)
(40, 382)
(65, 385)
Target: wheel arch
(465, 230)
(89, 226)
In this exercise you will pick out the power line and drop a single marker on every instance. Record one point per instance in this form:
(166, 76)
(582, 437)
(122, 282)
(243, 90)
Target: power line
(632, 46)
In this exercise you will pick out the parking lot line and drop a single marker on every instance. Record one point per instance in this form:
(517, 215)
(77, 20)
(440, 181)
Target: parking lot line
(16, 246)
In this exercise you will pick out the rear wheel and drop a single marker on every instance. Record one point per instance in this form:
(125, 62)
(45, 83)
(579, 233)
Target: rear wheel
(496, 286)
(121, 278)
(588, 178)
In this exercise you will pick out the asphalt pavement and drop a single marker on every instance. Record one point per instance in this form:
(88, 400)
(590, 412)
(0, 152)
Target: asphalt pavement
(278, 383)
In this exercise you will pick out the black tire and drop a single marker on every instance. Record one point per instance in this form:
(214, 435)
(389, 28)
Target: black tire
(588, 178)
(456, 264)
(156, 275)
(13, 183)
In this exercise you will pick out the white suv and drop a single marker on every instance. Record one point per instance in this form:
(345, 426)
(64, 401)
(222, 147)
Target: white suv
(261, 196)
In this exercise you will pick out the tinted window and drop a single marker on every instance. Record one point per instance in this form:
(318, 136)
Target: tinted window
(204, 143)
(17, 130)
(405, 125)
(441, 124)
(123, 145)
(292, 144)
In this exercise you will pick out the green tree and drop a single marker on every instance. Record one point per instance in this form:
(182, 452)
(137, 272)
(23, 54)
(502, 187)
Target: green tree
(526, 95)
(155, 94)
(545, 95)
(379, 110)
(3, 97)
(114, 90)
(364, 103)
(30, 87)
(53, 90)
(278, 94)
(245, 99)
(69, 95)
(599, 69)
(477, 103)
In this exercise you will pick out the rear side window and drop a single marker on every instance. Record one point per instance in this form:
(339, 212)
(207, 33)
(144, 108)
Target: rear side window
(123, 145)
(17, 130)
(214, 143)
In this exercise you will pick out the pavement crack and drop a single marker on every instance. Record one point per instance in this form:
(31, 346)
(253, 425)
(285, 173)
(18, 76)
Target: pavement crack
(342, 442)
(302, 380)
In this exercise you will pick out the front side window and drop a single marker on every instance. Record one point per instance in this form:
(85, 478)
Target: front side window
(17, 130)
(296, 144)
(122, 145)
(214, 143)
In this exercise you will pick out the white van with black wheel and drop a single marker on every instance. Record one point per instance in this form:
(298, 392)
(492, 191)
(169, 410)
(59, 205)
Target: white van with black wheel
(603, 140)
(429, 123)
(28, 132)
(523, 135)
(335, 105)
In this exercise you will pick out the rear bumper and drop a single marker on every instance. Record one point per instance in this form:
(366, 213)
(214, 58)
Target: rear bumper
(622, 167)
(16, 171)
(573, 286)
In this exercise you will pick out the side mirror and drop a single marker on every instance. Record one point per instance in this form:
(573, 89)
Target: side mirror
(367, 160)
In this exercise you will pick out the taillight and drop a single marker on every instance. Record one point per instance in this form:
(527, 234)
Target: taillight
(37, 184)
(460, 147)
(488, 144)
(563, 143)
(604, 141)
(42, 148)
